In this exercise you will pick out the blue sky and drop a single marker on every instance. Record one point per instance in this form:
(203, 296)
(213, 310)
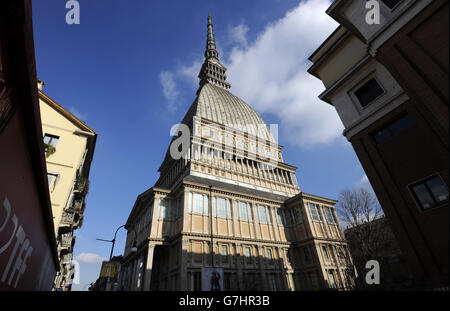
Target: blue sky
(129, 70)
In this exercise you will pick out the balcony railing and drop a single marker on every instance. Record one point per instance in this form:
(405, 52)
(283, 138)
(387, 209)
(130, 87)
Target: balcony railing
(66, 240)
(67, 218)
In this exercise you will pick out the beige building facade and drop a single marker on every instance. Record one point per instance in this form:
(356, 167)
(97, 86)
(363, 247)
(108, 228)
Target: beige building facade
(70, 145)
(226, 186)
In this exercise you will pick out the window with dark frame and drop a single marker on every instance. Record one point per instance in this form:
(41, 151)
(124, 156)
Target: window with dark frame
(332, 280)
(224, 254)
(430, 193)
(367, 93)
(50, 140)
(393, 128)
(52, 180)
(315, 212)
(269, 256)
(391, 3)
(325, 252)
(329, 215)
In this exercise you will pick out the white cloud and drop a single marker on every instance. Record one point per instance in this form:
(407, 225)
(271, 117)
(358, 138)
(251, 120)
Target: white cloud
(270, 73)
(190, 73)
(238, 34)
(276, 63)
(170, 89)
(89, 258)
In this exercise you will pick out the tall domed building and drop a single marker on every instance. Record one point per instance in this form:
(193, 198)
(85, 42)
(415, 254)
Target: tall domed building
(224, 183)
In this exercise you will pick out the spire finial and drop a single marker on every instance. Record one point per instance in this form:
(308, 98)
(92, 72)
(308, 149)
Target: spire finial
(213, 71)
(210, 41)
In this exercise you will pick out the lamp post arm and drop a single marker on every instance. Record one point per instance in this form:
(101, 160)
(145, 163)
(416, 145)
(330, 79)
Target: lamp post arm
(114, 242)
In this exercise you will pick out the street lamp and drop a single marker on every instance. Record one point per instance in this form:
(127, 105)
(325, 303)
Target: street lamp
(113, 241)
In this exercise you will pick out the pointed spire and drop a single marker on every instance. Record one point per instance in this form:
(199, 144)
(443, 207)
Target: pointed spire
(213, 71)
(211, 42)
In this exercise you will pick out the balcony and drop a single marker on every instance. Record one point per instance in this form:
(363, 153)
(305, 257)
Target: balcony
(67, 219)
(78, 205)
(82, 186)
(66, 259)
(67, 241)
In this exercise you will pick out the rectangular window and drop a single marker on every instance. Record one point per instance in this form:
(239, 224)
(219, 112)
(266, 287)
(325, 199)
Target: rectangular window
(198, 203)
(163, 207)
(50, 140)
(190, 202)
(222, 207)
(392, 129)
(280, 216)
(269, 255)
(52, 180)
(314, 209)
(243, 211)
(367, 93)
(229, 208)
(247, 254)
(205, 205)
(325, 252)
(430, 192)
(328, 214)
(390, 3)
(331, 277)
(224, 250)
(262, 214)
(224, 253)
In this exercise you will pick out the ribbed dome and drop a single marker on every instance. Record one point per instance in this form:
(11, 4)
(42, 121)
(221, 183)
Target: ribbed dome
(219, 105)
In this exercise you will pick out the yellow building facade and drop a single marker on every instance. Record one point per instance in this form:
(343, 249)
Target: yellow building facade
(70, 145)
(229, 202)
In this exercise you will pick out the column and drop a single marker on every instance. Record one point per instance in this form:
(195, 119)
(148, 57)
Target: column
(262, 270)
(148, 267)
(281, 266)
(238, 252)
(183, 265)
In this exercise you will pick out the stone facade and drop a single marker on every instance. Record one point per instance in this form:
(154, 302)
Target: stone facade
(231, 189)
(391, 94)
